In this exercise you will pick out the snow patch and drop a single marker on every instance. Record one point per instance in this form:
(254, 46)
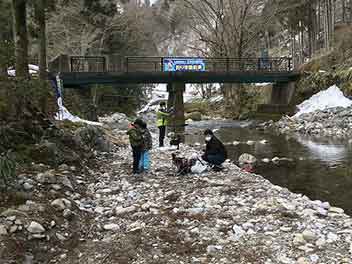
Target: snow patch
(332, 97)
(64, 114)
(32, 69)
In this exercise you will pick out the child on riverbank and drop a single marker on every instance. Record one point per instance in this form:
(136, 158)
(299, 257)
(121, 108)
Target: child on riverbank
(144, 163)
(137, 142)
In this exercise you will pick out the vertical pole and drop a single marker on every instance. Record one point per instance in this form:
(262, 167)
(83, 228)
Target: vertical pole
(179, 115)
(71, 64)
(227, 64)
(126, 64)
(161, 64)
(289, 64)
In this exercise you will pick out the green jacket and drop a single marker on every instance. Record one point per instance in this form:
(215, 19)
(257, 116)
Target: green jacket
(135, 137)
(162, 118)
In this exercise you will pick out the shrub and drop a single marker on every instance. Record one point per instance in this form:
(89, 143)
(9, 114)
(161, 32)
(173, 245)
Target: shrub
(7, 170)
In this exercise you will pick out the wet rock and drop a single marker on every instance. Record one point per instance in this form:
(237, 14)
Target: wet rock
(235, 143)
(336, 210)
(266, 160)
(276, 160)
(246, 159)
(35, 228)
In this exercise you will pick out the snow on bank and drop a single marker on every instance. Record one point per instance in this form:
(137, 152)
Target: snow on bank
(330, 98)
(32, 69)
(64, 114)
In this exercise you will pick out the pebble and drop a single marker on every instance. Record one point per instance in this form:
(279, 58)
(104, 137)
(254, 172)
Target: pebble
(13, 228)
(27, 186)
(61, 204)
(35, 228)
(112, 227)
(336, 210)
(3, 230)
(308, 235)
(119, 211)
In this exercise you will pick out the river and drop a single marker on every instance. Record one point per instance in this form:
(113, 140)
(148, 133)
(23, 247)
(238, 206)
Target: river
(319, 168)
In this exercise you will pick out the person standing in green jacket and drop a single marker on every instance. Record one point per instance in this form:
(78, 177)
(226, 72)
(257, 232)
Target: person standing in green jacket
(162, 121)
(137, 142)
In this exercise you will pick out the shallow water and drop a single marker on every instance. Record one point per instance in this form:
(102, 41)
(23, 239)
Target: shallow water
(319, 168)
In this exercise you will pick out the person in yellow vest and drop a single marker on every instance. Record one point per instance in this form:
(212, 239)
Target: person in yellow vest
(162, 116)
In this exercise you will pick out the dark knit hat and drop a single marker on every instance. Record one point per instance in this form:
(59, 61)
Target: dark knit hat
(139, 122)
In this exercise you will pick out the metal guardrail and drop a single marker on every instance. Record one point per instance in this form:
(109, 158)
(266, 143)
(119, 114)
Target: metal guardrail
(88, 64)
(155, 64)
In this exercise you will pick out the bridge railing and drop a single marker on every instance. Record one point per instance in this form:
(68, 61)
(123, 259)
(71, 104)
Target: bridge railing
(156, 64)
(88, 64)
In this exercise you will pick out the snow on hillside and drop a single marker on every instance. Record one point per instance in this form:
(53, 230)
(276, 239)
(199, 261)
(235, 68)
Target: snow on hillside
(332, 97)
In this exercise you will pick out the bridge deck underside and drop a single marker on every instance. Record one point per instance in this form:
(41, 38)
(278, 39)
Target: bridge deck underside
(77, 79)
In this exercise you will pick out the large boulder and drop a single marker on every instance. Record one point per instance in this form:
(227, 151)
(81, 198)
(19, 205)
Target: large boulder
(195, 116)
(246, 159)
(115, 121)
(93, 137)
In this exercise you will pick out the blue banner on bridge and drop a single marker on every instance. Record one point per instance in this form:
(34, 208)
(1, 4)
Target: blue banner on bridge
(180, 64)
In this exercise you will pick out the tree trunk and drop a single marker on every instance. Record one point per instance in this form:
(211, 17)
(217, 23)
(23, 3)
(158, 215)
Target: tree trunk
(312, 29)
(21, 38)
(343, 11)
(40, 17)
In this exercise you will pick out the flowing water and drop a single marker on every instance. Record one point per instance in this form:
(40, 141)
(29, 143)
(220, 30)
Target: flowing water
(319, 168)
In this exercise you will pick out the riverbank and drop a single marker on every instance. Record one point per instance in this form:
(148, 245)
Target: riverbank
(105, 216)
(333, 122)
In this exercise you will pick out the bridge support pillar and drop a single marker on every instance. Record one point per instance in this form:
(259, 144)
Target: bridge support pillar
(175, 100)
(282, 93)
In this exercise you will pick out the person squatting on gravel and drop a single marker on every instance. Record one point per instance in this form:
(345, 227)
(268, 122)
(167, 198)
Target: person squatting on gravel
(215, 152)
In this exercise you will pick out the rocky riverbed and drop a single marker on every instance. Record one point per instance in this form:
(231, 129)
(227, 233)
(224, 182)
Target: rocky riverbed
(333, 122)
(102, 214)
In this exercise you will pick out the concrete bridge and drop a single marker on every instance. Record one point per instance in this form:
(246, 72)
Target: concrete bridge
(80, 72)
